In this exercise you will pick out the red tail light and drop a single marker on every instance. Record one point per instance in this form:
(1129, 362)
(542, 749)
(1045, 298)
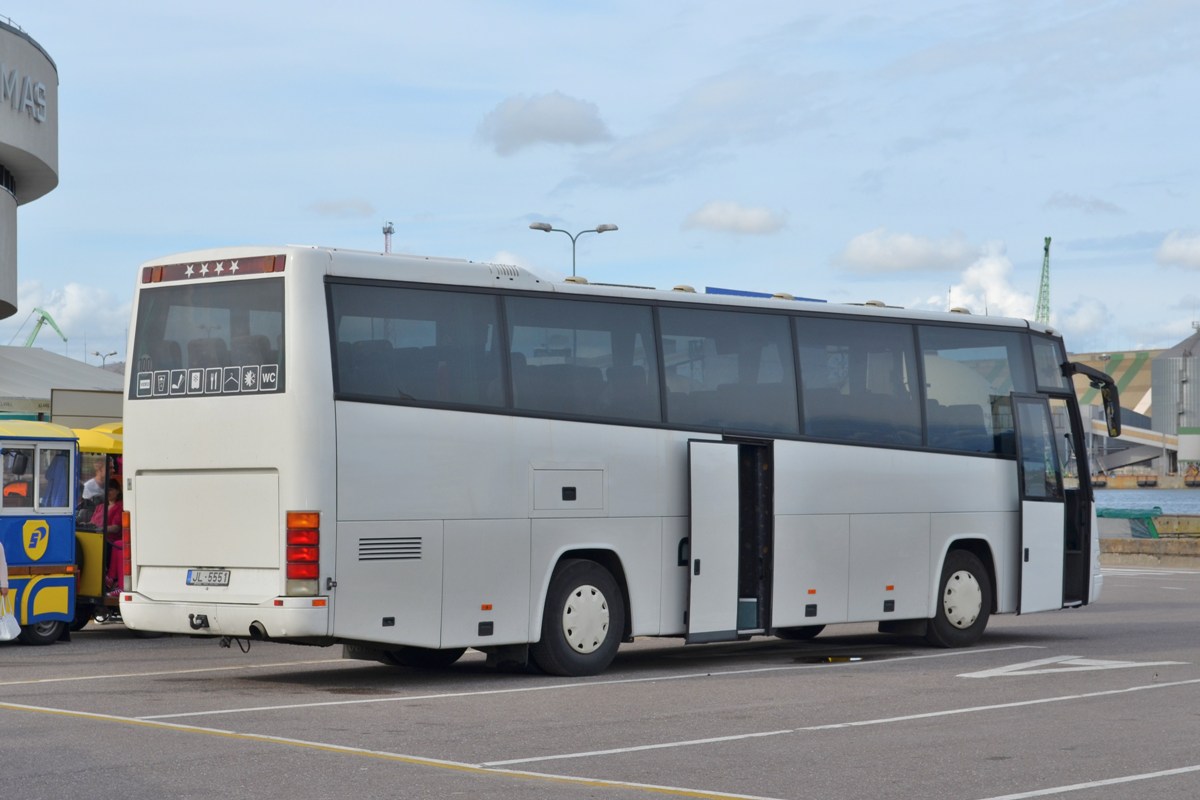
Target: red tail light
(126, 554)
(303, 552)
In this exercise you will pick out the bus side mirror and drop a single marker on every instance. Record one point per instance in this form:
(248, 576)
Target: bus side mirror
(1112, 409)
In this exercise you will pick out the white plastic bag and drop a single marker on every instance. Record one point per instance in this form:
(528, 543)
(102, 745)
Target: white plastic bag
(9, 627)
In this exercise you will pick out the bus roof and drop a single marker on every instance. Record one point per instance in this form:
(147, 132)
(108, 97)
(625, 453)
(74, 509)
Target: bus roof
(31, 429)
(96, 440)
(200, 265)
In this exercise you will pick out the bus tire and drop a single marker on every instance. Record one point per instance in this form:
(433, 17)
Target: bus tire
(964, 602)
(83, 615)
(40, 633)
(423, 657)
(583, 621)
(800, 633)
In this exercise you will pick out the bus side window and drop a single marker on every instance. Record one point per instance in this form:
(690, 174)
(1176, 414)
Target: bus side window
(372, 368)
(976, 369)
(958, 427)
(17, 484)
(629, 393)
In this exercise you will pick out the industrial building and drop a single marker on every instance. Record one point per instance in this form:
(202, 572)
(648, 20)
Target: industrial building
(1160, 402)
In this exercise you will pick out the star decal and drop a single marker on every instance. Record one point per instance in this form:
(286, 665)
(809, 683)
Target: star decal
(233, 267)
(189, 272)
(204, 269)
(220, 267)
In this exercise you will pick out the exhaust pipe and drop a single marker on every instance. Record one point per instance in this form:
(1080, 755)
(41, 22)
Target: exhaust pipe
(258, 632)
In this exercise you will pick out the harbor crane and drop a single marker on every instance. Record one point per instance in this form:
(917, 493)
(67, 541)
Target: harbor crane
(43, 318)
(1042, 315)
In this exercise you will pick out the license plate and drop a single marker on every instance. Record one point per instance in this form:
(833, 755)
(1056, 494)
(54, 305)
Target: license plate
(208, 577)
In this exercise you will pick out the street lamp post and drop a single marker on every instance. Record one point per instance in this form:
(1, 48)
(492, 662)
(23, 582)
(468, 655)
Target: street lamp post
(545, 226)
(103, 357)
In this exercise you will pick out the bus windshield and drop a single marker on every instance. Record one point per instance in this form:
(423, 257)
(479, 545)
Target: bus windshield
(213, 338)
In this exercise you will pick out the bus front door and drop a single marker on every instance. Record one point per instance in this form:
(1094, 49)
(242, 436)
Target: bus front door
(729, 539)
(1043, 506)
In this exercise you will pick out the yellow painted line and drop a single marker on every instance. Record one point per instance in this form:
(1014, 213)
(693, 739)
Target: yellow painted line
(421, 761)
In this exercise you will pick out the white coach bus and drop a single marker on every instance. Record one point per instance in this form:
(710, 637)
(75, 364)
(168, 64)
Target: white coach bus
(414, 456)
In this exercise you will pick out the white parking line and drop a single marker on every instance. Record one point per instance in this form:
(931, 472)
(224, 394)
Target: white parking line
(165, 672)
(1156, 572)
(842, 725)
(383, 755)
(584, 684)
(1076, 787)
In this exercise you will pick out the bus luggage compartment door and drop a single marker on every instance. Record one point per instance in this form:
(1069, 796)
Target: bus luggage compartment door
(713, 563)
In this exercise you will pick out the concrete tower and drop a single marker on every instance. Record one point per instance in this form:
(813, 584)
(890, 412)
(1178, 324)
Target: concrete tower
(28, 141)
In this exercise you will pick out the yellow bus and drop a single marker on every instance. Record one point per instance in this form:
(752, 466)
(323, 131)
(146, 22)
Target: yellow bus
(40, 468)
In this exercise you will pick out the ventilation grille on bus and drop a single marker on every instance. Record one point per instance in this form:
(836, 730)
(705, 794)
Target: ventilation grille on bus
(389, 548)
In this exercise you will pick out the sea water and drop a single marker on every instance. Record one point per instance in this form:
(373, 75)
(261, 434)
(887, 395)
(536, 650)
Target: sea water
(1171, 501)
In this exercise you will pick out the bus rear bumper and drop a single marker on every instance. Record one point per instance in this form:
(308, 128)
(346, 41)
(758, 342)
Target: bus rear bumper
(278, 618)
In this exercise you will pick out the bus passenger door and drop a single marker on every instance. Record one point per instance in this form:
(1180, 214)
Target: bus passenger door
(1077, 549)
(1043, 506)
(713, 546)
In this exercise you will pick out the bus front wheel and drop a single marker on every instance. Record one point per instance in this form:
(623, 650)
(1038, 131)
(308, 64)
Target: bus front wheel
(964, 602)
(40, 633)
(583, 621)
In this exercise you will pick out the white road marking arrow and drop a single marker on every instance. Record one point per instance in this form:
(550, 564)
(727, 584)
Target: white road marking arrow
(1059, 664)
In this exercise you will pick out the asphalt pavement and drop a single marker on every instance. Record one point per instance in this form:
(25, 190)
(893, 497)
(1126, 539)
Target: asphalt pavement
(1096, 704)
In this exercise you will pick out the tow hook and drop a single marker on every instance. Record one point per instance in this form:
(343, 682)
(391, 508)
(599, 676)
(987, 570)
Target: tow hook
(198, 621)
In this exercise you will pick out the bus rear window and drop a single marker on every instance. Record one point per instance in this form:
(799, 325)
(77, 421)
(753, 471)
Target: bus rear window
(209, 339)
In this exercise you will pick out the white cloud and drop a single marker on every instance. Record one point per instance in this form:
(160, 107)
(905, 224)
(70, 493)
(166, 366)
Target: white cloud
(986, 287)
(878, 251)
(1084, 318)
(729, 217)
(717, 119)
(1088, 205)
(1180, 250)
(92, 319)
(523, 121)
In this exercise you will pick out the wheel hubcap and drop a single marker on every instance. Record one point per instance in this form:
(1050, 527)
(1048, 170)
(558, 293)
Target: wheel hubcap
(963, 599)
(585, 619)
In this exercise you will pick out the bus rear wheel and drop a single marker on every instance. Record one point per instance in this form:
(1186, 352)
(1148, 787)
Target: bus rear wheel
(83, 615)
(423, 657)
(583, 621)
(800, 633)
(40, 633)
(964, 602)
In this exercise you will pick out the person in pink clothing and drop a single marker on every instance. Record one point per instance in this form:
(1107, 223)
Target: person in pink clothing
(107, 518)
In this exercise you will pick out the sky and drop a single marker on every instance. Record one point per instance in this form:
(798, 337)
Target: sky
(917, 153)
